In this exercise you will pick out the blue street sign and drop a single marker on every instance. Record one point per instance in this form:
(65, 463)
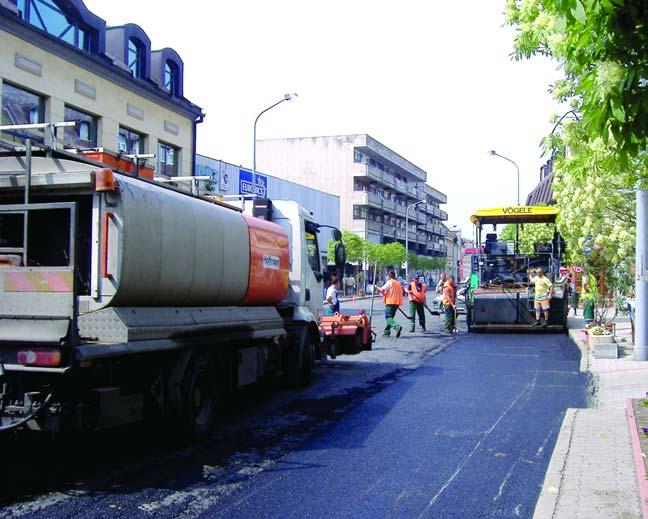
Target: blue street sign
(246, 186)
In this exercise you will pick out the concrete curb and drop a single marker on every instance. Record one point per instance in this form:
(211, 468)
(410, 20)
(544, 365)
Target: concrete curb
(640, 465)
(550, 492)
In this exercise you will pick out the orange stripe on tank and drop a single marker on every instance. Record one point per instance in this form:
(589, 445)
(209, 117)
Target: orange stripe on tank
(51, 281)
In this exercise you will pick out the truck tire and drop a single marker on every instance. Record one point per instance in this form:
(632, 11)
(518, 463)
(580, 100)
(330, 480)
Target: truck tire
(199, 396)
(299, 363)
(469, 318)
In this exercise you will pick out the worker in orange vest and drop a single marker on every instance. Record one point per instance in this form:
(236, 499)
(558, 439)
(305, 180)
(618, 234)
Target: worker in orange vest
(416, 297)
(392, 293)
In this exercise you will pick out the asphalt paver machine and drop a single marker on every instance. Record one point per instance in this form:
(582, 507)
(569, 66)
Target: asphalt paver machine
(501, 296)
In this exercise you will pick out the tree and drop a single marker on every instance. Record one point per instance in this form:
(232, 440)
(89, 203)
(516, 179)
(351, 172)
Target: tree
(354, 245)
(529, 235)
(602, 46)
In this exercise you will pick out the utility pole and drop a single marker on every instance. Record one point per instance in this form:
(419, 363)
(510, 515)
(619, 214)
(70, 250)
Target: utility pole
(641, 288)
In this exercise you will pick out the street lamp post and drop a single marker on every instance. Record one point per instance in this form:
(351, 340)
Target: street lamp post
(493, 152)
(641, 288)
(407, 238)
(286, 97)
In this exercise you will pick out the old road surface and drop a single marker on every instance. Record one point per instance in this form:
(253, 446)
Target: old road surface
(426, 426)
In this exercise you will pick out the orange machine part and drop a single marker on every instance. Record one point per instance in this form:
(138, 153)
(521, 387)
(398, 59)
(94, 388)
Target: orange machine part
(118, 163)
(269, 249)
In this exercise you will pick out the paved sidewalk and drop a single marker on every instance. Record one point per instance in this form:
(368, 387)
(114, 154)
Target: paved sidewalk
(592, 471)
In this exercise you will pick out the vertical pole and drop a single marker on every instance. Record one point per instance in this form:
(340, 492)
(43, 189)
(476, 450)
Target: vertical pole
(373, 292)
(641, 290)
(407, 243)
(28, 166)
(254, 157)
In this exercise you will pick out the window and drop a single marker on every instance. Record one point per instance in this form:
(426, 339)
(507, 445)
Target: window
(167, 160)
(312, 249)
(21, 107)
(171, 77)
(84, 134)
(130, 142)
(49, 17)
(136, 57)
(357, 156)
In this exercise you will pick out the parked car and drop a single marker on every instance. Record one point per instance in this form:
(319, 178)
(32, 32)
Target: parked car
(437, 307)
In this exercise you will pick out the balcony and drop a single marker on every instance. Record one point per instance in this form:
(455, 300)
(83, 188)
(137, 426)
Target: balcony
(400, 233)
(374, 226)
(389, 205)
(388, 230)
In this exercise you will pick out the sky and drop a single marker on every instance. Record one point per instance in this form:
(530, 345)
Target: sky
(434, 81)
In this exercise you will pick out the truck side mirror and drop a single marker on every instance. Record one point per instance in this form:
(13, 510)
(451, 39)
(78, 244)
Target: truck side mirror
(340, 255)
(337, 235)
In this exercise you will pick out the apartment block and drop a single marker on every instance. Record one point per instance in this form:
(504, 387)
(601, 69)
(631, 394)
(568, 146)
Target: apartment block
(376, 187)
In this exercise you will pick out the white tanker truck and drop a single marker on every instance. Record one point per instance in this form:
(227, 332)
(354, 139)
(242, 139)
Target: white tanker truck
(122, 298)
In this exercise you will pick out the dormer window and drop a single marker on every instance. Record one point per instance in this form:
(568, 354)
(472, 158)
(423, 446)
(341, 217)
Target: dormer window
(49, 17)
(136, 58)
(171, 77)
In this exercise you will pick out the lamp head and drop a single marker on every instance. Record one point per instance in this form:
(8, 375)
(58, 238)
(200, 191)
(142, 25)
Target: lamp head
(492, 152)
(288, 97)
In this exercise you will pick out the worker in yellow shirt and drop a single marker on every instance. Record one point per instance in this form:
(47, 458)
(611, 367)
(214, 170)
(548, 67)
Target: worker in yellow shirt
(543, 288)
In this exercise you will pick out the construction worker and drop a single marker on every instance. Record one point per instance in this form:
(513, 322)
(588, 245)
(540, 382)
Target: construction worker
(392, 292)
(449, 304)
(543, 294)
(416, 297)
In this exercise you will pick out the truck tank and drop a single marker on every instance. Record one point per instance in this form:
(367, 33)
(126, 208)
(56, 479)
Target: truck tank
(164, 248)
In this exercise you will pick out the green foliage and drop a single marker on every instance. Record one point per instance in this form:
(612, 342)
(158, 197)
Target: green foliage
(529, 234)
(602, 47)
(354, 245)
(595, 206)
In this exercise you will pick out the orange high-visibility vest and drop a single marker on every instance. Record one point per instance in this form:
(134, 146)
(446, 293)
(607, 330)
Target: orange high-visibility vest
(416, 295)
(449, 296)
(394, 293)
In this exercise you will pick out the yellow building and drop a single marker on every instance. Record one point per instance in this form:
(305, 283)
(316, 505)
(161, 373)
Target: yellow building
(59, 62)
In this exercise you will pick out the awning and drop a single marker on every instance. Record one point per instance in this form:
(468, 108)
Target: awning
(515, 214)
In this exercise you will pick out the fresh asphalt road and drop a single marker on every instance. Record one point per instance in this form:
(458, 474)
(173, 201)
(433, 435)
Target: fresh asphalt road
(427, 425)
(467, 434)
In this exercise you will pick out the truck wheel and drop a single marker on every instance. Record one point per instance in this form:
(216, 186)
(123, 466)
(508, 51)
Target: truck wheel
(199, 396)
(300, 362)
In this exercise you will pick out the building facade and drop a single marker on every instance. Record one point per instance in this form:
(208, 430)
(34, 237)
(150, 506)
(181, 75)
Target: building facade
(229, 180)
(59, 62)
(375, 186)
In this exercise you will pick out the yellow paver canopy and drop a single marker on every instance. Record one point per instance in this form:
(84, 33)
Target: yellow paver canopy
(515, 214)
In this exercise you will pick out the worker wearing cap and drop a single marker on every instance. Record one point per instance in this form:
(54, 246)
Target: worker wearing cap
(392, 292)
(416, 297)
